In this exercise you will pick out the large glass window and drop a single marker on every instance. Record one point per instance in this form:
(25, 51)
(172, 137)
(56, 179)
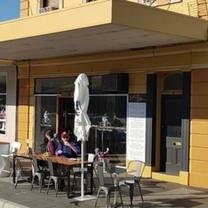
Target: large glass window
(2, 104)
(45, 118)
(108, 117)
(107, 112)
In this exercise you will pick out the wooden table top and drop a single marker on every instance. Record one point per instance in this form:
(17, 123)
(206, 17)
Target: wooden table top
(56, 159)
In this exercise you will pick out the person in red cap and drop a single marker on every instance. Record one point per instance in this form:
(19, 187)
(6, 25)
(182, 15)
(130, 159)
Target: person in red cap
(66, 147)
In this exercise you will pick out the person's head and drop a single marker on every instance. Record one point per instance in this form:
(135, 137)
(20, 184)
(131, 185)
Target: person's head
(49, 134)
(97, 150)
(64, 136)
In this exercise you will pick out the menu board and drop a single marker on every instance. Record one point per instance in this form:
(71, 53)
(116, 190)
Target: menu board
(136, 128)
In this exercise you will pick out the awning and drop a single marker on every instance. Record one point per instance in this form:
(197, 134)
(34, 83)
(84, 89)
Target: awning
(98, 26)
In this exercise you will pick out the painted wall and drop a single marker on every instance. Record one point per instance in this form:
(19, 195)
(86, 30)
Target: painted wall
(193, 8)
(199, 129)
(187, 7)
(31, 7)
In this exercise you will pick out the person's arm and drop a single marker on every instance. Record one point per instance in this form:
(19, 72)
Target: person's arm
(72, 147)
(51, 148)
(59, 149)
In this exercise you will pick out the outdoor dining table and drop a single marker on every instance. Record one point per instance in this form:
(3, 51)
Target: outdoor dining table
(67, 162)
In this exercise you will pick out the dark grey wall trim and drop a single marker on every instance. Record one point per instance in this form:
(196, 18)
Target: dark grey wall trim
(185, 132)
(151, 119)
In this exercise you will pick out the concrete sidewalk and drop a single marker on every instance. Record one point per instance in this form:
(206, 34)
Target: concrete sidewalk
(156, 194)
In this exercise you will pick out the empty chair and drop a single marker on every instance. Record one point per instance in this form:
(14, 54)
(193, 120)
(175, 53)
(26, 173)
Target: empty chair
(8, 160)
(23, 170)
(106, 187)
(135, 181)
(55, 177)
(39, 174)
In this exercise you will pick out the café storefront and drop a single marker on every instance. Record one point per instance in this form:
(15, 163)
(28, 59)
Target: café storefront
(54, 109)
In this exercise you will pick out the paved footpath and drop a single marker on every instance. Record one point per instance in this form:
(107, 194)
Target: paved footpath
(156, 194)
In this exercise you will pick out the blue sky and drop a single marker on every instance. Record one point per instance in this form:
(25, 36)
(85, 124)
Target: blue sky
(9, 9)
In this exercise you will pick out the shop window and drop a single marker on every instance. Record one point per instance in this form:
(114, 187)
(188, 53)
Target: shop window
(45, 118)
(108, 118)
(2, 104)
(173, 82)
(48, 5)
(107, 112)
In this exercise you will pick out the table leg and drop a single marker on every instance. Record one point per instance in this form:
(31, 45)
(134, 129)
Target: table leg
(14, 169)
(68, 183)
(91, 178)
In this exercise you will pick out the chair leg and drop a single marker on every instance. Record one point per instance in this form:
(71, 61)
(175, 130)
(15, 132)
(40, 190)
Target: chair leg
(98, 193)
(140, 191)
(73, 182)
(119, 191)
(56, 186)
(131, 193)
(33, 179)
(40, 183)
(49, 181)
(108, 200)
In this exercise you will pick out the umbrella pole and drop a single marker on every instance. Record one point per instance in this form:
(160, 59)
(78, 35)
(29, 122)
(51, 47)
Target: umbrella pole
(82, 196)
(82, 169)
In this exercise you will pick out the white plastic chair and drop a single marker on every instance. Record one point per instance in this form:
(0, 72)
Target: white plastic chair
(6, 169)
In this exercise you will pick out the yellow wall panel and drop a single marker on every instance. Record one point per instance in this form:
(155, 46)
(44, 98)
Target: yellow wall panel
(198, 179)
(199, 101)
(22, 109)
(199, 126)
(199, 153)
(199, 166)
(137, 83)
(199, 113)
(22, 134)
(199, 140)
(199, 129)
(199, 76)
(200, 88)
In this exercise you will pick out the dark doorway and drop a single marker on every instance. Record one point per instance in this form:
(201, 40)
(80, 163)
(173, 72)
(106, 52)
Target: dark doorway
(171, 141)
(65, 114)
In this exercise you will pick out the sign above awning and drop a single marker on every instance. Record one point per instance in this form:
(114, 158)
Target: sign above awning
(98, 26)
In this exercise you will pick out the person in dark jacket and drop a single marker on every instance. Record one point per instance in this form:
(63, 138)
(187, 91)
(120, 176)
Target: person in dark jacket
(66, 147)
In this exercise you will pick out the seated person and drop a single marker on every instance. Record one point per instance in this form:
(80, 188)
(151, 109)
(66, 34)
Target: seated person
(48, 145)
(66, 147)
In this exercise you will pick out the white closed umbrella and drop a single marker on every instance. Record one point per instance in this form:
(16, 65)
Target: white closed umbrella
(82, 123)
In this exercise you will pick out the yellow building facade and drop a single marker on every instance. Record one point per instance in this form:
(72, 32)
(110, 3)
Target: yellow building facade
(96, 38)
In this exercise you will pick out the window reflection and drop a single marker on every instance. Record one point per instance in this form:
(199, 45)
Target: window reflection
(45, 118)
(108, 118)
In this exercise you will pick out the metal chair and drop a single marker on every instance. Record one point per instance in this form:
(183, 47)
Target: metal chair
(23, 171)
(38, 173)
(105, 187)
(55, 177)
(135, 181)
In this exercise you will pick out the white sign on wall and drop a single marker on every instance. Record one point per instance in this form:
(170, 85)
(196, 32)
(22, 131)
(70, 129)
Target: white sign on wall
(136, 131)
